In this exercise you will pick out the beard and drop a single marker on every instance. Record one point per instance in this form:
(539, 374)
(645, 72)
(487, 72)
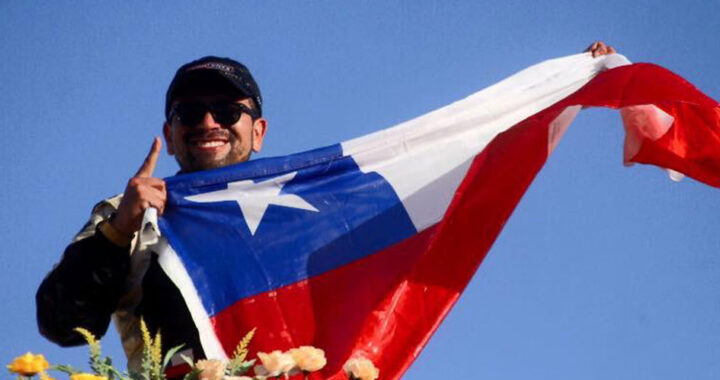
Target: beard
(190, 161)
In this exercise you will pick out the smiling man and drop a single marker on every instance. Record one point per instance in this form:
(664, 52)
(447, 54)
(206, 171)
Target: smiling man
(226, 89)
(214, 118)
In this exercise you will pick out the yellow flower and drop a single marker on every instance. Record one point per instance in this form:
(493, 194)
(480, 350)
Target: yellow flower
(361, 369)
(309, 358)
(86, 376)
(211, 369)
(28, 364)
(44, 376)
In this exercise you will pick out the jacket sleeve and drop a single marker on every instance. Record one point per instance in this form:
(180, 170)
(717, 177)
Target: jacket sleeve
(84, 288)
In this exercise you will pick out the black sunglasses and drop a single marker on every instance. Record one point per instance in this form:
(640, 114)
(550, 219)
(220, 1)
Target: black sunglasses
(192, 114)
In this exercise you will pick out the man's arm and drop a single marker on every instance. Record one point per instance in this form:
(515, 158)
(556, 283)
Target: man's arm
(84, 289)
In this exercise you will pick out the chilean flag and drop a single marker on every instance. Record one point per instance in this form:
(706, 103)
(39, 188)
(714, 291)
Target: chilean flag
(363, 247)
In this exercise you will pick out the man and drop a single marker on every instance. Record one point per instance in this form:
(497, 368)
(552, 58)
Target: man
(213, 119)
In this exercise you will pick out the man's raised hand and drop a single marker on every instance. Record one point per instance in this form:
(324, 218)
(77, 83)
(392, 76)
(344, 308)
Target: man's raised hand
(142, 191)
(599, 48)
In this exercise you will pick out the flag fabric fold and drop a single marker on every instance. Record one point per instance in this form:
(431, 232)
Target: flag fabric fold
(363, 247)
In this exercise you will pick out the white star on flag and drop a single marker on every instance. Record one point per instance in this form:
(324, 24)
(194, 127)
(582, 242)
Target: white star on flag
(255, 197)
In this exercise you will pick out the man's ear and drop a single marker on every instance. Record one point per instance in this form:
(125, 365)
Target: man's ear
(167, 132)
(258, 130)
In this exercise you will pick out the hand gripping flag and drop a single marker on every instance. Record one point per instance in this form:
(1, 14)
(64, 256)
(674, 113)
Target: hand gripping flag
(362, 248)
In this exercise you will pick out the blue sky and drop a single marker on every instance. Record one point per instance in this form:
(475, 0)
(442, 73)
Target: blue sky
(602, 272)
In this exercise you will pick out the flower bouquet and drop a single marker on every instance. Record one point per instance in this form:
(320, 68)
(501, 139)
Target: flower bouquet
(303, 360)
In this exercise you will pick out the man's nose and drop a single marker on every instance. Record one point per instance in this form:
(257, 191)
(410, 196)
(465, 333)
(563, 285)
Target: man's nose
(209, 122)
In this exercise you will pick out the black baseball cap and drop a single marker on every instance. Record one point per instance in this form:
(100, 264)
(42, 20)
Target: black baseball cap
(213, 73)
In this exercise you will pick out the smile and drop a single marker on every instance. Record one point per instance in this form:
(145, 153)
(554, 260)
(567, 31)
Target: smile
(209, 144)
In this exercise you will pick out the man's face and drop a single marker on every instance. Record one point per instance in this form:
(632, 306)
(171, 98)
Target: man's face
(209, 144)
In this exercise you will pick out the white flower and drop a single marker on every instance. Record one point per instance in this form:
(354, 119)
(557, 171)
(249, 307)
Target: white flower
(274, 364)
(212, 369)
(237, 378)
(361, 369)
(309, 358)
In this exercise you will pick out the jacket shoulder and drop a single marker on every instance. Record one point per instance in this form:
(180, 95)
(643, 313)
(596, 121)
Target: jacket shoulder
(100, 212)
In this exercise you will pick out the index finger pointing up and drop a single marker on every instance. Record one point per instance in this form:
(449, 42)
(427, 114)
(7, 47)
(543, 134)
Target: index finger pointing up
(148, 166)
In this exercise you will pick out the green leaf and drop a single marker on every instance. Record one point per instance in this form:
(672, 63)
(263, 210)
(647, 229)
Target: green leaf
(171, 352)
(246, 365)
(239, 369)
(187, 360)
(64, 368)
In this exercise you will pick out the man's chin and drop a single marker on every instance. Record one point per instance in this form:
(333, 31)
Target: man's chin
(198, 164)
(209, 165)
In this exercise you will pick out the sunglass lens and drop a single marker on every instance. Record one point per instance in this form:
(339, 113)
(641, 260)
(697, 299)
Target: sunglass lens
(191, 114)
(227, 113)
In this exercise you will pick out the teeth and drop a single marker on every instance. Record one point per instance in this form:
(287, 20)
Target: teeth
(209, 144)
